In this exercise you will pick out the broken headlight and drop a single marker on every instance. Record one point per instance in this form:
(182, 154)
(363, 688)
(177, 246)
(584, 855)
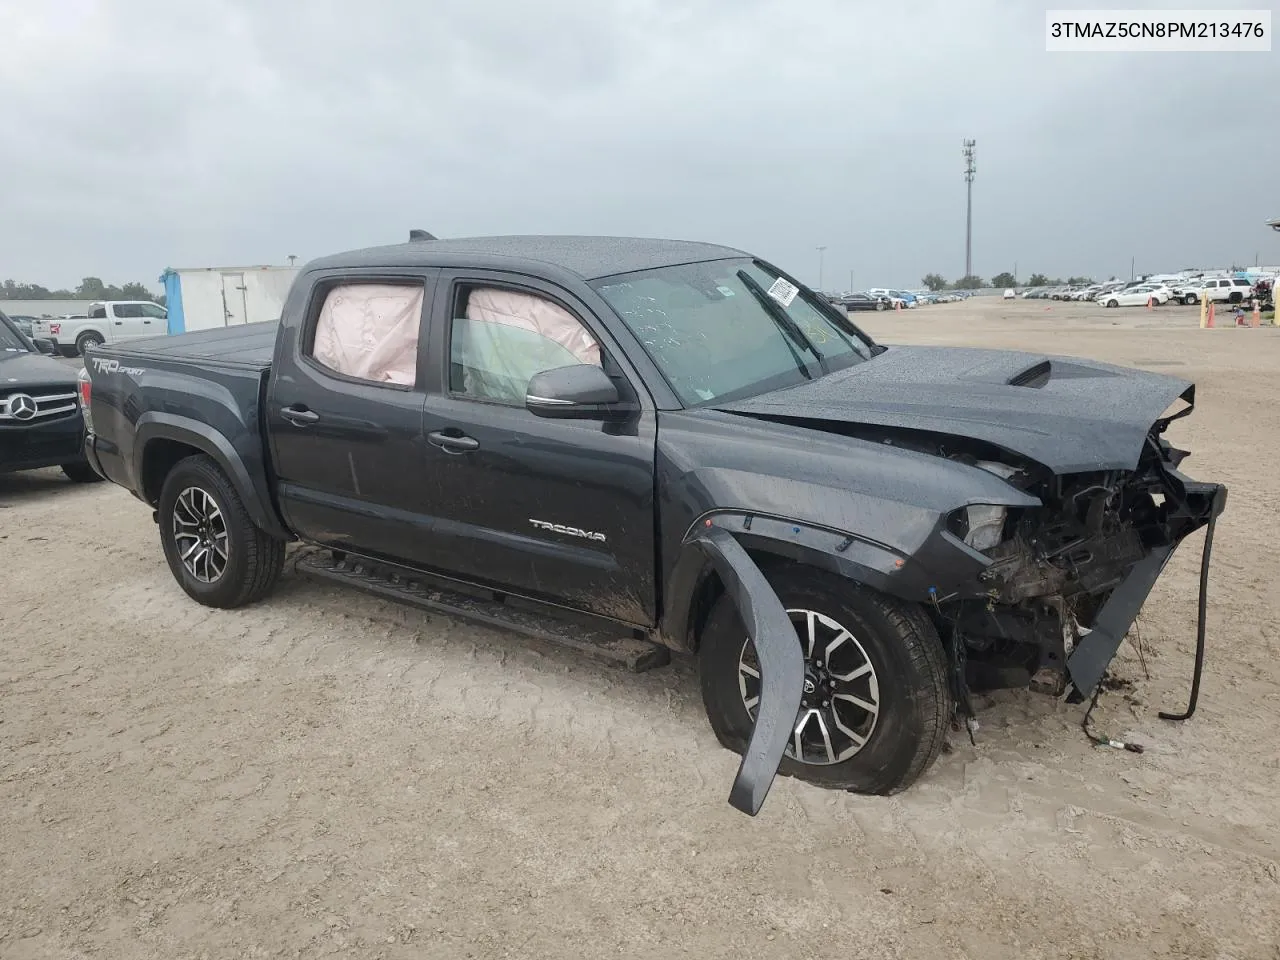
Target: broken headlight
(984, 525)
(981, 525)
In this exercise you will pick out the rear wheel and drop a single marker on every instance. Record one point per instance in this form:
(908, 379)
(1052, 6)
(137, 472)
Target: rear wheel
(214, 550)
(876, 704)
(86, 340)
(1189, 299)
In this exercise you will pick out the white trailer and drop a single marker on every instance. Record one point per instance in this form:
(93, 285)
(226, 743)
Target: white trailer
(200, 298)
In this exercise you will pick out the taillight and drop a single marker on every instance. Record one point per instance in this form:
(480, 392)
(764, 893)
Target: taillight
(55, 328)
(85, 389)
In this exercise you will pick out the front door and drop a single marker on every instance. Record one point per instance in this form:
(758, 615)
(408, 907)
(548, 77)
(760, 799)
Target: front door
(344, 413)
(561, 510)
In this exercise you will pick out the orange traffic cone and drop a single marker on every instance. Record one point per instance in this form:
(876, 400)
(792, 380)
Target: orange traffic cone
(1257, 315)
(1210, 323)
(897, 305)
(1149, 307)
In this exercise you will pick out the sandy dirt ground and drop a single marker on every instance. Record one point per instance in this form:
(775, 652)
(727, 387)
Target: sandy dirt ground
(327, 774)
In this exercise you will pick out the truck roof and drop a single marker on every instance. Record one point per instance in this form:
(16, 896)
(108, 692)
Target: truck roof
(588, 257)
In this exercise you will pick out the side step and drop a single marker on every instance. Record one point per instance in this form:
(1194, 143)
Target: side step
(606, 646)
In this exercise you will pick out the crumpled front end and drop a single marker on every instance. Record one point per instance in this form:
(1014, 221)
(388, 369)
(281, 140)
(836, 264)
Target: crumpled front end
(1067, 579)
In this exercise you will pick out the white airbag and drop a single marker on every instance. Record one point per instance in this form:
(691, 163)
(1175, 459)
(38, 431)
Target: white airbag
(370, 331)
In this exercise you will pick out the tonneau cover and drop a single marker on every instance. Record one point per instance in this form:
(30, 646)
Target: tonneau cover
(250, 344)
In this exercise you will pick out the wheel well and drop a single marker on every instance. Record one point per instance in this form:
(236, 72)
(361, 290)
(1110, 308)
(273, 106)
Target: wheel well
(161, 456)
(710, 588)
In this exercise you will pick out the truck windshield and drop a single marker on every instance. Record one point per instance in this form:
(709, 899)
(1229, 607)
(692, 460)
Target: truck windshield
(10, 341)
(728, 329)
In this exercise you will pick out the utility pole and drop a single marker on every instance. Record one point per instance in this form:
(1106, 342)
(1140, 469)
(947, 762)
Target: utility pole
(969, 169)
(820, 252)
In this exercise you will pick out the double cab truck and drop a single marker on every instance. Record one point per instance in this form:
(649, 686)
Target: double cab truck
(635, 446)
(109, 321)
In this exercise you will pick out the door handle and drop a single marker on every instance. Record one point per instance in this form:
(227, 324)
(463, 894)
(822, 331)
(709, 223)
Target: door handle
(453, 444)
(299, 417)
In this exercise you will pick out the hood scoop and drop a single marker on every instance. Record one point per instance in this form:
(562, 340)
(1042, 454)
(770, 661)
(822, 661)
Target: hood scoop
(1036, 375)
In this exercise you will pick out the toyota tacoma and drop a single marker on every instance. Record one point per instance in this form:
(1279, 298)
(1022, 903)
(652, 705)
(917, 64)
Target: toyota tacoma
(636, 446)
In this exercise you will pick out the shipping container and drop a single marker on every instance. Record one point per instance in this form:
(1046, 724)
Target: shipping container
(200, 298)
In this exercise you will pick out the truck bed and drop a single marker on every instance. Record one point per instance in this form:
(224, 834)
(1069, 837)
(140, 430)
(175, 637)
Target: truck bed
(248, 345)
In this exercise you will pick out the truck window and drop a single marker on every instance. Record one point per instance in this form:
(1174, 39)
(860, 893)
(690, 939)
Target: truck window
(153, 310)
(370, 331)
(97, 313)
(128, 311)
(500, 338)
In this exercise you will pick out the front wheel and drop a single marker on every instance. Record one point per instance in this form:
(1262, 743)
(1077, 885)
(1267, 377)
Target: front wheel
(876, 704)
(1113, 303)
(214, 550)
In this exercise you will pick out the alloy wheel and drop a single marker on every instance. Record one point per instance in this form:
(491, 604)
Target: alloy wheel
(200, 534)
(840, 704)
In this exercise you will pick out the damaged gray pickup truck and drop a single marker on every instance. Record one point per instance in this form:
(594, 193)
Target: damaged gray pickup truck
(635, 446)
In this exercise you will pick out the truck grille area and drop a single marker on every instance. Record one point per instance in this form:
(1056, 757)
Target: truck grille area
(19, 408)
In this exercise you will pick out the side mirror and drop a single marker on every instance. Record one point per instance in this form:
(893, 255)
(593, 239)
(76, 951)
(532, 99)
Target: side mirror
(44, 345)
(582, 391)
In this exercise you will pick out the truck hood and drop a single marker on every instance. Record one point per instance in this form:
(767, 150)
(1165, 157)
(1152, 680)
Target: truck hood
(22, 370)
(1068, 414)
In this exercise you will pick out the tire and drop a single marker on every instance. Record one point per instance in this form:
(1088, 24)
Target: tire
(1188, 300)
(1113, 303)
(1235, 297)
(86, 340)
(80, 473)
(908, 683)
(879, 304)
(253, 559)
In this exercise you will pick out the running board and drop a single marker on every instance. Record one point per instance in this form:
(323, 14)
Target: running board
(602, 645)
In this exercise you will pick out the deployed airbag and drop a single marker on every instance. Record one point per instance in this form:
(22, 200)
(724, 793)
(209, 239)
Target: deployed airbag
(507, 337)
(370, 331)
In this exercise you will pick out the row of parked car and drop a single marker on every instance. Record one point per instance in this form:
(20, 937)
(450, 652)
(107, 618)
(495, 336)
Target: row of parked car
(1159, 291)
(882, 298)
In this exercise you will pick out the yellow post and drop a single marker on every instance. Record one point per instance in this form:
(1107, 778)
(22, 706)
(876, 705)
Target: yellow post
(1204, 309)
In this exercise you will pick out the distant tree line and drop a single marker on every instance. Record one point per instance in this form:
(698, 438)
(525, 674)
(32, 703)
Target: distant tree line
(937, 283)
(90, 288)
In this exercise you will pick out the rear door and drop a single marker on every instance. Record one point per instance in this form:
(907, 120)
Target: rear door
(130, 321)
(344, 411)
(562, 510)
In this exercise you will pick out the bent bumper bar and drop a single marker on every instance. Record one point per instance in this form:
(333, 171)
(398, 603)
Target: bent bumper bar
(781, 665)
(1088, 663)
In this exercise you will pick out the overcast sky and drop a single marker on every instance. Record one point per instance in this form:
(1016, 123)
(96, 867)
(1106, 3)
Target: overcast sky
(138, 134)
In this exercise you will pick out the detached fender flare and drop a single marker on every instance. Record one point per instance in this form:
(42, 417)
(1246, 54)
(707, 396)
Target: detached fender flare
(905, 576)
(155, 425)
(781, 664)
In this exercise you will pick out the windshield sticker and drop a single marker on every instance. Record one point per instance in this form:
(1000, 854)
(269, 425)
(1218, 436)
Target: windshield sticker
(783, 292)
(725, 291)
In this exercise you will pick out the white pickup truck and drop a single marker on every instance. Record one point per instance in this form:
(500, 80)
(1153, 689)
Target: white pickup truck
(108, 321)
(1219, 289)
